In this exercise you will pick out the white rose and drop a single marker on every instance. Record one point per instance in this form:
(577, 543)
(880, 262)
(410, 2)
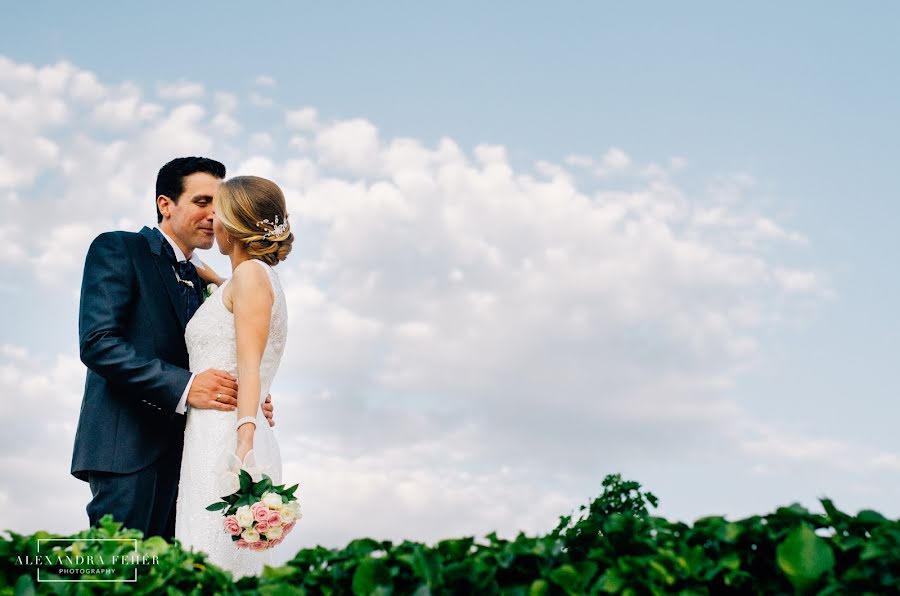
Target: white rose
(244, 516)
(250, 535)
(274, 532)
(295, 506)
(272, 500)
(287, 514)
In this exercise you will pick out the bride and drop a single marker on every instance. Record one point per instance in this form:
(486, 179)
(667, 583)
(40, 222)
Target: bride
(241, 329)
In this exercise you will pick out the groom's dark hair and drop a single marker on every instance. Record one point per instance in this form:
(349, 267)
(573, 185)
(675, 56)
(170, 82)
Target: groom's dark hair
(170, 180)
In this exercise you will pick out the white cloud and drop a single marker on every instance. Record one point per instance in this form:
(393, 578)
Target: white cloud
(351, 146)
(306, 119)
(261, 141)
(180, 133)
(63, 250)
(226, 125)
(181, 90)
(123, 112)
(226, 102)
(614, 161)
(38, 429)
(678, 163)
(459, 325)
(260, 101)
(579, 161)
(782, 449)
(265, 81)
(803, 282)
(299, 143)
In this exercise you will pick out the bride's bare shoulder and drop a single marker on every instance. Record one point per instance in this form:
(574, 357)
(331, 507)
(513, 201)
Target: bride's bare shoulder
(251, 278)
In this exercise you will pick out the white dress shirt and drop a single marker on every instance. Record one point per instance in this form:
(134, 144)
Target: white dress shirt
(179, 256)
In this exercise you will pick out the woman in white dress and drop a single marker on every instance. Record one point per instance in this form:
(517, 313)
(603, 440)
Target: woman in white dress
(241, 329)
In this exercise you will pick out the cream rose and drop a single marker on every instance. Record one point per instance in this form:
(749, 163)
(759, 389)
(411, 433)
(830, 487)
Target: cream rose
(244, 516)
(295, 506)
(274, 532)
(272, 500)
(250, 535)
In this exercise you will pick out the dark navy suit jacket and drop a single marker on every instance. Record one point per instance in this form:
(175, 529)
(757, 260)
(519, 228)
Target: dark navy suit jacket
(131, 333)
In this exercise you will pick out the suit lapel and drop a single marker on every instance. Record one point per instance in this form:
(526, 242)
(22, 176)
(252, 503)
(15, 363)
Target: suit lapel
(166, 273)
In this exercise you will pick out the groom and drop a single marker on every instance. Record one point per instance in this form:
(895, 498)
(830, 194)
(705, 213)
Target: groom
(138, 292)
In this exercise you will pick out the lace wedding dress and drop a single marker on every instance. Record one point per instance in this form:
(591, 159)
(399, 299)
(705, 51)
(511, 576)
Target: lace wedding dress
(210, 437)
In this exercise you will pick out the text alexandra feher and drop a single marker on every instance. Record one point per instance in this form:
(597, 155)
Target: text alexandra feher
(92, 560)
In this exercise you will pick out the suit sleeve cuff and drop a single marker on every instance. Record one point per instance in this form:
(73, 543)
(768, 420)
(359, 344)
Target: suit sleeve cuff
(182, 403)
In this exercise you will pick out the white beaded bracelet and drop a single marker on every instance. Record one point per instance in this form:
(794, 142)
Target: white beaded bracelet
(245, 420)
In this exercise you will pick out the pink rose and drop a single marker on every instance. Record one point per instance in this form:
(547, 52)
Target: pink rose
(274, 518)
(288, 528)
(262, 527)
(260, 511)
(232, 526)
(259, 545)
(240, 543)
(275, 542)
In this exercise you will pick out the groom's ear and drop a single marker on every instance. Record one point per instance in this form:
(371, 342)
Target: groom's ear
(163, 203)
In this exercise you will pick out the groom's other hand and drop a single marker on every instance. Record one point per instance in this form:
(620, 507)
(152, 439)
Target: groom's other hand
(213, 390)
(268, 410)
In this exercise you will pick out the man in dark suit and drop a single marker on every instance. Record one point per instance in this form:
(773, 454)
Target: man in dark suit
(138, 292)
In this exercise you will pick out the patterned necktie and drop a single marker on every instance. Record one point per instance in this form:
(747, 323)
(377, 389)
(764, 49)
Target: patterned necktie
(188, 280)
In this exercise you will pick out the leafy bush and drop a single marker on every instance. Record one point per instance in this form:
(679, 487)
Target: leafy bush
(613, 546)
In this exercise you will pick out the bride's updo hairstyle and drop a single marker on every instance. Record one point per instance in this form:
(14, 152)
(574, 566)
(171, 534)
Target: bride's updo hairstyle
(253, 211)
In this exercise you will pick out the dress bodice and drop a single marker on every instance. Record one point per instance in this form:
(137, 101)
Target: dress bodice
(210, 335)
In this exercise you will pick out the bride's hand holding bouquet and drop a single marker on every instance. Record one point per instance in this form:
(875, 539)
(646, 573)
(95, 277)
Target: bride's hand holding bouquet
(258, 514)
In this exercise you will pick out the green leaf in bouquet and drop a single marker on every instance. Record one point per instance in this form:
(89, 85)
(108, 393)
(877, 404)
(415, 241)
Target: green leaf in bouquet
(290, 491)
(262, 486)
(246, 481)
(217, 506)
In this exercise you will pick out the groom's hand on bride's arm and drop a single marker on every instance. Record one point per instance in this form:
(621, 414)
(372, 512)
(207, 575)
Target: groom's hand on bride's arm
(268, 410)
(213, 390)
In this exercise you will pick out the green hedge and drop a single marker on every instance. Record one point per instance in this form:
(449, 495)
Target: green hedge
(612, 546)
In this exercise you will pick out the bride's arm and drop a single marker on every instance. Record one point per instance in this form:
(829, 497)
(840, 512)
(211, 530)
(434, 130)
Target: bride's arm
(252, 298)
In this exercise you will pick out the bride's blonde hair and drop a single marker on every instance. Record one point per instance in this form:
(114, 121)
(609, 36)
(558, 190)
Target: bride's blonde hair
(253, 211)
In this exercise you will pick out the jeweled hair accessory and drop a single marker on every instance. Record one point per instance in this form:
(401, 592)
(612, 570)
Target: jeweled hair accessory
(275, 229)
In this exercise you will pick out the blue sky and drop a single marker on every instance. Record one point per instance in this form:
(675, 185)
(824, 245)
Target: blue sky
(783, 112)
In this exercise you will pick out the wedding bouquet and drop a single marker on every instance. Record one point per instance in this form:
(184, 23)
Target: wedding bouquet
(258, 515)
